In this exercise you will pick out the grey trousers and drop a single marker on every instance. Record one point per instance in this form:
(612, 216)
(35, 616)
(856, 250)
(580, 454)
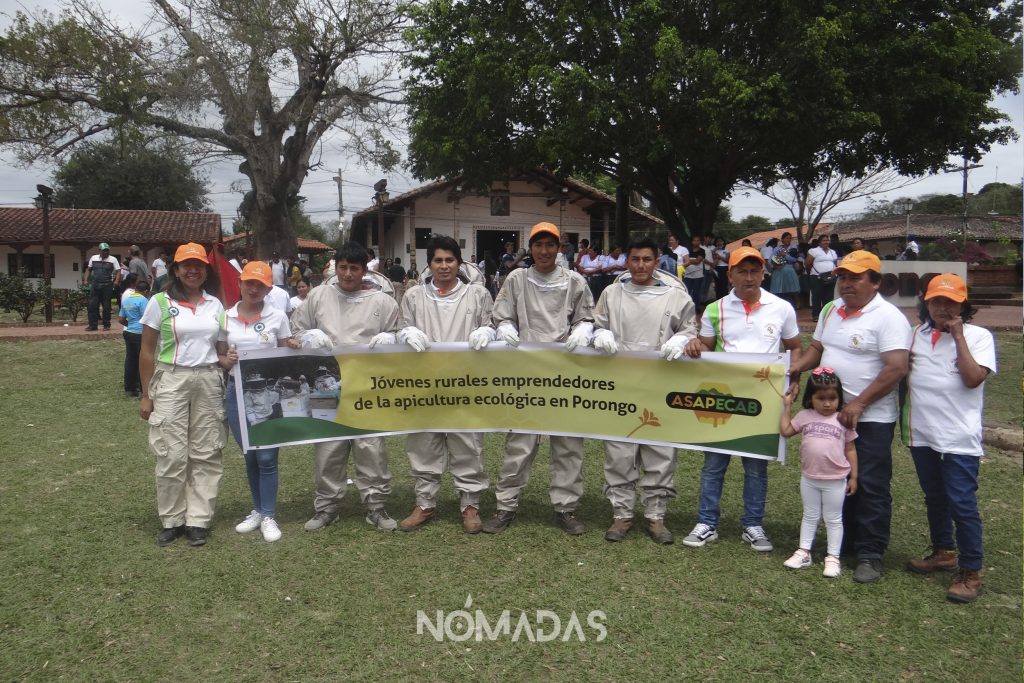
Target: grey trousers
(461, 453)
(566, 470)
(372, 476)
(623, 463)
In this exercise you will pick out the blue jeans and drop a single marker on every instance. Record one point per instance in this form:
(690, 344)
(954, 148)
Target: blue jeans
(755, 488)
(695, 287)
(868, 513)
(260, 463)
(950, 485)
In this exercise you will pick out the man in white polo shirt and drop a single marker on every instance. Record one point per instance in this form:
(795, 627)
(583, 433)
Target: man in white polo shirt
(865, 339)
(748, 319)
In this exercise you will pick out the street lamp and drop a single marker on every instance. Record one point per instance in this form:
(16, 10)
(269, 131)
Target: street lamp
(44, 201)
(379, 197)
(905, 206)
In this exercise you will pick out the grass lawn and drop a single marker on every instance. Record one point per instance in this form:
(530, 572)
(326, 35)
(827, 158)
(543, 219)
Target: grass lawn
(89, 596)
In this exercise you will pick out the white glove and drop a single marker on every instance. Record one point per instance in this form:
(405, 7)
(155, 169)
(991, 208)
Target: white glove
(414, 337)
(481, 337)
(580, 336)
(675, 347)
(509, 334)
(382, 338)
(315, 339)
(604, 341)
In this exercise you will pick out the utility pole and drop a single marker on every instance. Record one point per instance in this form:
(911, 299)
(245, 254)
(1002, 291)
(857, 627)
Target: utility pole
(44, 201)
(341, 209)
(963, 226)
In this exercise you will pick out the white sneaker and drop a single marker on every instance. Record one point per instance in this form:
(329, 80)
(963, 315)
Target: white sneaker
(250, 523)
(270, 530)
(701, 534)
(801, 559)
(832, 567)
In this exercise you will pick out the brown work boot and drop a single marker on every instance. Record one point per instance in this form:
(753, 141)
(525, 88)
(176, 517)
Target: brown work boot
(471, 520)
(567, 522)
(417, 519)
(499, 522)
(619, 528)
(941, 560)
(658, 532)
(965, 587)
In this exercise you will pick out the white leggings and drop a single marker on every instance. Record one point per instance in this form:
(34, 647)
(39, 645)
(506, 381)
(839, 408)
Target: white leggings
(822, 498)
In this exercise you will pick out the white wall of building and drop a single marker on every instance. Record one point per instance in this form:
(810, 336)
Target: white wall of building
(67, 266)
(466, 218)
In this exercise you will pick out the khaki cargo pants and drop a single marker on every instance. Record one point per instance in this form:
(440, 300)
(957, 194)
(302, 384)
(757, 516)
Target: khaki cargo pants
(461, 453)
(187, 435)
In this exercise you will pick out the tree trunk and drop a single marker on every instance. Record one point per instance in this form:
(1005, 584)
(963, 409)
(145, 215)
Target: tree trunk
(272, 229)
(622, 194)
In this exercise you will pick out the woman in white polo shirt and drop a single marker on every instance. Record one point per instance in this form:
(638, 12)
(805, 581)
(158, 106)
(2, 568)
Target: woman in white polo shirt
(253, 324)
(183, 395)
(949, 362)
(820, 262)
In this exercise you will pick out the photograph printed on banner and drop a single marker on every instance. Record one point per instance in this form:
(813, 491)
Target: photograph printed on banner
(294, 386)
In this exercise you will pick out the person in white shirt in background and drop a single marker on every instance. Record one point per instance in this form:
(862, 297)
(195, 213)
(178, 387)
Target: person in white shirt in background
(865, 339)
(253, 324)
(820, 262)
(278, 298)
(542, 303)
(159, 267)
(446, 308)
(373, 263)
(681, 252)
(644, 311)
(277, 268)
(950, 359)
(302, 291)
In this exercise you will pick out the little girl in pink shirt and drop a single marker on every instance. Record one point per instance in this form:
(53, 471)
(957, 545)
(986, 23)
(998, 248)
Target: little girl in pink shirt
(828, 465)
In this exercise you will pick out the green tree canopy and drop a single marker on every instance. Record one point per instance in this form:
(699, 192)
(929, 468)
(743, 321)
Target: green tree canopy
(683, 99)
(129, 174)
(259, 80)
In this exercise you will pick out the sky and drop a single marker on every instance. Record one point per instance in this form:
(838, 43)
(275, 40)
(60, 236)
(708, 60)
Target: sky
(17, 184)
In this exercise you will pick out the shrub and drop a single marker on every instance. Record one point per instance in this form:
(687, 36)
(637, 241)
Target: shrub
(72, 300)
(18, 294)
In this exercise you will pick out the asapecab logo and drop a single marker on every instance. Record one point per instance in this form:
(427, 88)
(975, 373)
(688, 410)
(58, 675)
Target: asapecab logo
(713, 403)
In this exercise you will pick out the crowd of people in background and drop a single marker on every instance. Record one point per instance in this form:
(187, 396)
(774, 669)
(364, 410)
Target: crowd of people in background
(675, 299)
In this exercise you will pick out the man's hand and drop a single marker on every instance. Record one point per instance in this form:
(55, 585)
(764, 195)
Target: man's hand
(508, 334)
(315, 339)
(604, 341)
(415, 338)
(850, 413)
(674, 348)
(481, 337)
(580, 336)
(382, 338)
(694, 348)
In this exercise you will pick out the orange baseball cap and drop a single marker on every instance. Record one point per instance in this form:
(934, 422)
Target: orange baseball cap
(542, 228)
(191, 251)
(744, 253)
(259, 271)
(947, 285)
(860, 261)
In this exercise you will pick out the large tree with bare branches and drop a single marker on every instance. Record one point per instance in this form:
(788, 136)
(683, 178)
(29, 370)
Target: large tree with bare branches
(259, 80)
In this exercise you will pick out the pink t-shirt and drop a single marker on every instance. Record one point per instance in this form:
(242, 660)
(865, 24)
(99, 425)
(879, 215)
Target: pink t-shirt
(823, 446)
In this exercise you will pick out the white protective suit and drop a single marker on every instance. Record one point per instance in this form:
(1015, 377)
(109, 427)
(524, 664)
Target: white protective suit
(543, 307)
(642, 319)
(450, 317)
(349, 319)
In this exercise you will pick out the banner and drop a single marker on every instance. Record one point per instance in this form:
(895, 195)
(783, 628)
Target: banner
(729, 402)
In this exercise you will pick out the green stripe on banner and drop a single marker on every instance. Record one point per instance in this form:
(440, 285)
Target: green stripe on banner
(759, 444)
(287, 429)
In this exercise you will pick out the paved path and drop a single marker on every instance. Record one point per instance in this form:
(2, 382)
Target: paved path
(993, 317)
